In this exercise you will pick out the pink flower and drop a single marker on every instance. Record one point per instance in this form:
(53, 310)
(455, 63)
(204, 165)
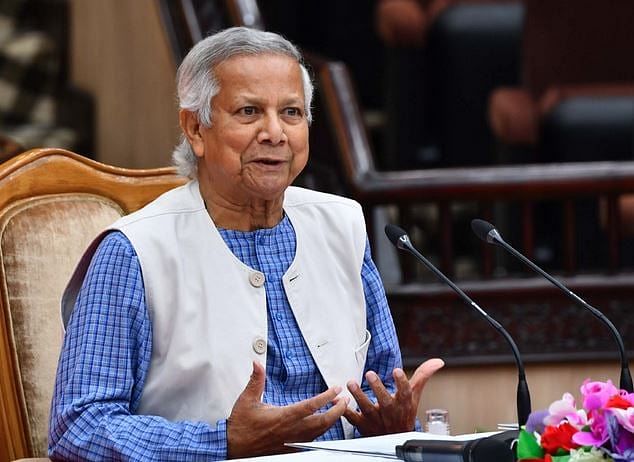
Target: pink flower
(596, 394)
(565, 409)
(598, 433)
(605, 424)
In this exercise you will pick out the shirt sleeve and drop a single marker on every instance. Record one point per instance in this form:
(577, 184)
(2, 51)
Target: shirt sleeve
(384, 353)
(102, 369)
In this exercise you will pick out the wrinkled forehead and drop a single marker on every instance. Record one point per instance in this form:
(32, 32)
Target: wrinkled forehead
(258, 65)
(260, 74)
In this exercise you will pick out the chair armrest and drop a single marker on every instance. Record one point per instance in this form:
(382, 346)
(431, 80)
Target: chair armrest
(34, 459)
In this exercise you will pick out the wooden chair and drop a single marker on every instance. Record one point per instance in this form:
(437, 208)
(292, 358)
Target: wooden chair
(52, 204)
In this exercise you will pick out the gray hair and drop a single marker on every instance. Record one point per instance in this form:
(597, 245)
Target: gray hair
(196, 83)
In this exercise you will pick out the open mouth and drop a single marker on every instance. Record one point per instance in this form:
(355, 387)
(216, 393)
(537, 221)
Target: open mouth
(271, 162)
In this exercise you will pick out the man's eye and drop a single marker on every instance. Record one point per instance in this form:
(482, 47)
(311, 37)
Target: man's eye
(292, 112)
(248, 111)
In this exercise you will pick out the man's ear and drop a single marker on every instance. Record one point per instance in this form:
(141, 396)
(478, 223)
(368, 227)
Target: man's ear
(191, 129)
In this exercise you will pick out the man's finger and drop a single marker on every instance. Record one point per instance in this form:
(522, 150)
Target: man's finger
(336, 411)
(403, 387)
(422, 375)
(312, 405)
(365, 404)
(319, 423)
(383, 397)
(255, 385)
(355, 418)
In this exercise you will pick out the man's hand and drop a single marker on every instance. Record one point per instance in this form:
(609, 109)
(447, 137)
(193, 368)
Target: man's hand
(255, 428)
(391, 413)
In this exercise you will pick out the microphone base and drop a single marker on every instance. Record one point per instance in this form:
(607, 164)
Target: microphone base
(496, 448)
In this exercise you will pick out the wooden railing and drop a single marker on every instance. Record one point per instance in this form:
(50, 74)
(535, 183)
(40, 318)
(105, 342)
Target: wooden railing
(531, 307)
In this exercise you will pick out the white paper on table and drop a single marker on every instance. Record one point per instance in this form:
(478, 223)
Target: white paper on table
(385, 445)
(508, 426)
(319, 456)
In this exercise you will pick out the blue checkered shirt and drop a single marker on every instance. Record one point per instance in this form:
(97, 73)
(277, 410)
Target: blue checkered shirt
(108, 344)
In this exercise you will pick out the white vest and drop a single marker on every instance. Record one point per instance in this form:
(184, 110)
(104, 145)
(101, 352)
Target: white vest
(208, 309)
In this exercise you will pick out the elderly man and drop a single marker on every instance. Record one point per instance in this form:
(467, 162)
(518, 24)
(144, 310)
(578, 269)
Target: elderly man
(236, 313)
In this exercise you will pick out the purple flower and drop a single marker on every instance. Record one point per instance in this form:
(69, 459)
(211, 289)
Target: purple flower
(535, 422)
(625, 417)
(628, 456)
(625, 445)
(621, 440)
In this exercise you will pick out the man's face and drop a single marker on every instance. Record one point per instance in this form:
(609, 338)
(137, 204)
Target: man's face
(258, 140)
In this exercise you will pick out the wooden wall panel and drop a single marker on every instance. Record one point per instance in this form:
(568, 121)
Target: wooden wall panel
(120, 55)
(480, 397)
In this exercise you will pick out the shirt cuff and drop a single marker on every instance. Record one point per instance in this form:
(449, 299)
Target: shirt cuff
(221, 434)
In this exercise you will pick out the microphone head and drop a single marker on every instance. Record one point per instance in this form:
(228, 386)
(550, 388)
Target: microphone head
(394, 233)
(483, 229)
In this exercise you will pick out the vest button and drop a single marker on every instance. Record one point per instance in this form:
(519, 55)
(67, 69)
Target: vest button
(259, 345)
(256, 279)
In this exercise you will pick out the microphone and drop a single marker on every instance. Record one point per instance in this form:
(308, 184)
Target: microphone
(487, 232)
(493, 448)
(400, 239)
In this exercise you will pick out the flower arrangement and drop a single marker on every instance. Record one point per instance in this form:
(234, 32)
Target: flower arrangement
(602, 430)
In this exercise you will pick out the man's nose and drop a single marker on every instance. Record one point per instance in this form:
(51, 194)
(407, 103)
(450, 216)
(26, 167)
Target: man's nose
(272, 131)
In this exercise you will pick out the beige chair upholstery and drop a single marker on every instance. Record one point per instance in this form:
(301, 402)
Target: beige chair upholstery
(52, 204)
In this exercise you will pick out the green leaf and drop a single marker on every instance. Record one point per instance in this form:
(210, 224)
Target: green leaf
(527, 447)
(565, 458)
